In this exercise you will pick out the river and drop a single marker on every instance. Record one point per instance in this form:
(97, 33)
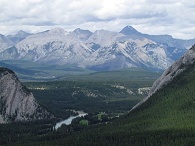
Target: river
(69, 120)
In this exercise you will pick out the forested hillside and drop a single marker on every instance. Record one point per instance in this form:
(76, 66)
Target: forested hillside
(167, 118)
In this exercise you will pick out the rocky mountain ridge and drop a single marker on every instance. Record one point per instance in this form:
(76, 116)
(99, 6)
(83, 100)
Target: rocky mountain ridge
(17, 103)
(169, 74)
(101, 50)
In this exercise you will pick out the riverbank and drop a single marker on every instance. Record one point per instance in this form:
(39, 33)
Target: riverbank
(69, 120)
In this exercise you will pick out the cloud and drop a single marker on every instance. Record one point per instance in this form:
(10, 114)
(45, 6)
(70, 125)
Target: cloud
(149, 16)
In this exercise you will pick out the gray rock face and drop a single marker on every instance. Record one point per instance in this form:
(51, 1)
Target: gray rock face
(168, 75)
(17, 103)
(100, 50)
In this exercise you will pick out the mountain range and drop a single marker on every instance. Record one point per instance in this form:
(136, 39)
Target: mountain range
(101, 50)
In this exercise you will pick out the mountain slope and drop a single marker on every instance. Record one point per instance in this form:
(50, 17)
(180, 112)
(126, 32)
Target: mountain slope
(19, 36)
(173, 71)
(166, 118)
(5, 43)
(162, 39)
(131, 53)
(103, 38)
(129, 30)
(17, 103)
(54, 46)
(82, 35)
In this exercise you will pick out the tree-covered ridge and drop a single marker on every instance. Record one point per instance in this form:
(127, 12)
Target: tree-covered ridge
(167, 118)
(174, 105)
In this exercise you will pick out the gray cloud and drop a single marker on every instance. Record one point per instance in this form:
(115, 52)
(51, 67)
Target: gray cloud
(148, 16)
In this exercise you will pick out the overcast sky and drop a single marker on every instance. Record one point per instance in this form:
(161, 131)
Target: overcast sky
(174, 17)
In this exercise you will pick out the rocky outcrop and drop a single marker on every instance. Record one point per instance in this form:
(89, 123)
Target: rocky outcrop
(17, 103)
(168, 75)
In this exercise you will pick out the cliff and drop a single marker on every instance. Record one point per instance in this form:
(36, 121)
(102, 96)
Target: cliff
(17, 103)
